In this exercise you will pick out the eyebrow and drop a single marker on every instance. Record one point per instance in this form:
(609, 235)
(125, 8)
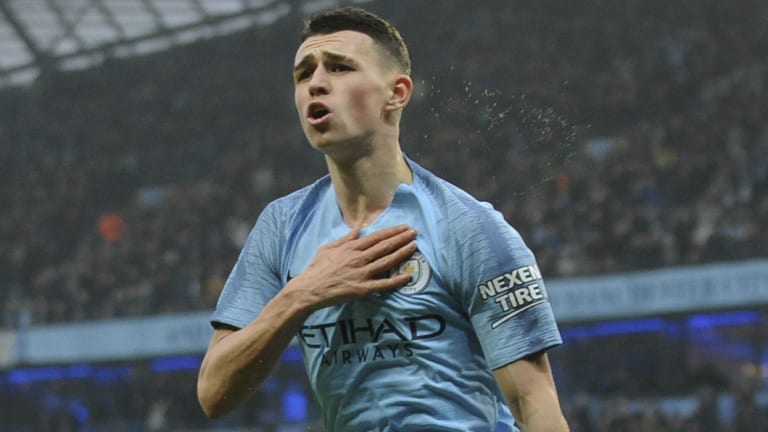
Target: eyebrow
(312, 58)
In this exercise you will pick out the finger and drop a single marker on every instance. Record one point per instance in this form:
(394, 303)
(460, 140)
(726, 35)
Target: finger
(389, 283)
(388, 261)
(389, 245)
(382, 234)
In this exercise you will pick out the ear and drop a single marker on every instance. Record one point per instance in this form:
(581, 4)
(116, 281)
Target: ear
(402, 89)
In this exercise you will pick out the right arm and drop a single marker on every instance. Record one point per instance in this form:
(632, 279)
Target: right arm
(238, 361)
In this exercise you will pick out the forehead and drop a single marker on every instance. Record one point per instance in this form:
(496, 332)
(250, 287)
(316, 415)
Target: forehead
(347, 43)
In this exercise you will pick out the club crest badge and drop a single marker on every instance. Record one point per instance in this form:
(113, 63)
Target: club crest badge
(418, 267)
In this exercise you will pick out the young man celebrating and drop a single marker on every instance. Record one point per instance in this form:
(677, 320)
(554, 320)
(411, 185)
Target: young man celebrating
(416, 306)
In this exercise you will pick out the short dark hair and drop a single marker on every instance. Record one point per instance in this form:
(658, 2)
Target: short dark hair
(360, 20)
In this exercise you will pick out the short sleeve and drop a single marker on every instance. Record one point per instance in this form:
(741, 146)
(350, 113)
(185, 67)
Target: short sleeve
(502, 288)
(255, 278)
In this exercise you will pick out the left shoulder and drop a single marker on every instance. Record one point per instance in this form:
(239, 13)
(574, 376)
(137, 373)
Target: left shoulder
(464, 213)
(472, 230)
(459, 204)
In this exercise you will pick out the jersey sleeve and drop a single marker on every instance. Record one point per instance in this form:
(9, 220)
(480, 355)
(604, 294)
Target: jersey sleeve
(502, 289)
(255, 277)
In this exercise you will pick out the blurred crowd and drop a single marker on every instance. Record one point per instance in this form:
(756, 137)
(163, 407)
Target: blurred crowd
(137, 399)
(165, 402)
(614, 136)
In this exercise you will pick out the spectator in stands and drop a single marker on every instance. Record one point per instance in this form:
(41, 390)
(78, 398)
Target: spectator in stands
(664, 185)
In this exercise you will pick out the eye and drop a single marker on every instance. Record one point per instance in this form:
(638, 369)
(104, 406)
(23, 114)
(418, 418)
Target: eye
(303, 74)
(340, 67)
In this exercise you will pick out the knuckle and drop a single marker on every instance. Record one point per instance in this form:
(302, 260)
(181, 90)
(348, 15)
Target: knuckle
(372, 285)
(370, 272)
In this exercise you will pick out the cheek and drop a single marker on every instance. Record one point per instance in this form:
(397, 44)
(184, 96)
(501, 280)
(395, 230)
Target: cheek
(297, 103)
(363, 102)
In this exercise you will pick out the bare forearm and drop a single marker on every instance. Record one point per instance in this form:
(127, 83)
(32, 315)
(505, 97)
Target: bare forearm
(530, 392)
(540, 420)
(237, 364)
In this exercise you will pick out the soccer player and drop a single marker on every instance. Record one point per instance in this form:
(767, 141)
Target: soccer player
(416, 306)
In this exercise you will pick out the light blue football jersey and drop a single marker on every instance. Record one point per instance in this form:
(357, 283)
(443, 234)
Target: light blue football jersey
(418, 358)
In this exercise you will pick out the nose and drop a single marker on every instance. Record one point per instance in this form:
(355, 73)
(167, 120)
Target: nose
(318, 85)
(317, 90)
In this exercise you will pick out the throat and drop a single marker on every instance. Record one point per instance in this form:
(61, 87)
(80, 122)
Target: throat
(362, 216)
(365, 188)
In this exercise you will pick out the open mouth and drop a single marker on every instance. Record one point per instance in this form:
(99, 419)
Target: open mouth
(317, 113)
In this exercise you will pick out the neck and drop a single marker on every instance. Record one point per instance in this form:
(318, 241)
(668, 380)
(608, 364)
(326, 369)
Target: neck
(365, 185)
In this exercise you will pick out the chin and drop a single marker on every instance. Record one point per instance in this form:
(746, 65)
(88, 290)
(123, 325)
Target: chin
(340, 150)
(321, 142)
(336, 143)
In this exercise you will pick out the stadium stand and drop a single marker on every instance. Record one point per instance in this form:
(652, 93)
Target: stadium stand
(615, 137)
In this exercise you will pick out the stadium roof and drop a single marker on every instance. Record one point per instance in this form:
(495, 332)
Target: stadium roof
(37, 35)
